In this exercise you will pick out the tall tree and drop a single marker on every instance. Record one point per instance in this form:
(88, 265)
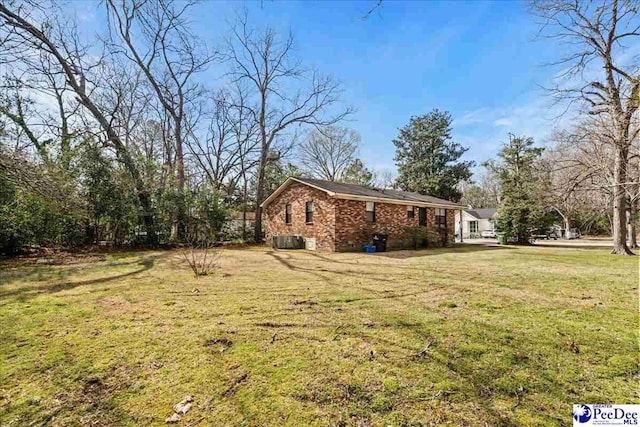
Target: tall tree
(580, 172)
(428, 158)
(357, 173)
(328, 152)
(521, 186)
(153, 35)
(284, 94)
(23, 35)
(477, 197)
(597, 32)
(481, 194)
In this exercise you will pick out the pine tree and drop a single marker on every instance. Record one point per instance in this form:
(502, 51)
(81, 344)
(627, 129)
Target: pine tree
(427, 157)
(522, 186)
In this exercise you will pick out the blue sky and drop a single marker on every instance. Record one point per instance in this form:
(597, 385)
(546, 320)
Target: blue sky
(478, 60)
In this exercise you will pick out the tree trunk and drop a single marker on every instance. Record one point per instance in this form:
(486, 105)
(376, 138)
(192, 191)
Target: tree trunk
(567, 226)
(632, 215)
(620, 203)
(77, 84)
(179, 223)
(244, 207)
(257, 231)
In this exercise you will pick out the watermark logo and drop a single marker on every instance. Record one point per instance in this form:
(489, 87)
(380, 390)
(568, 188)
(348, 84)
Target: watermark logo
(581, 413)
(606, 415)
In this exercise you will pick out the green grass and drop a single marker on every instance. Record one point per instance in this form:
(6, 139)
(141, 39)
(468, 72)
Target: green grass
(462, 336)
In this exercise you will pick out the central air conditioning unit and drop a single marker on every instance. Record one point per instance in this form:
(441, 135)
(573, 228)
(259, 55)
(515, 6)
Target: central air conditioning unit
(288, 242)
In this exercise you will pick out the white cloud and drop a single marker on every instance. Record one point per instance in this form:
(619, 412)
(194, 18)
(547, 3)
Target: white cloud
(478, 116)
(483, 131)
(503, 122)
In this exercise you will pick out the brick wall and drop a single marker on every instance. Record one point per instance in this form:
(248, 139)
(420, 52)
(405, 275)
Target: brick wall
(451, 225)
(323, 216)
(352, 230)
(341, 225)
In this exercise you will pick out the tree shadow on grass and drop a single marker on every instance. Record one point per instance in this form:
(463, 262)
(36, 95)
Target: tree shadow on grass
(457, 248)
(316, 272)
(413, 253)
(373, 294)
(598, 247)
(146, 264)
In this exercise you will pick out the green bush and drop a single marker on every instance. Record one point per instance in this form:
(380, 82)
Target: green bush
(416, 237)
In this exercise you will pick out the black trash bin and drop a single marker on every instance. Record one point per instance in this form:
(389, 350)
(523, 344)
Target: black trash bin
(380, 242)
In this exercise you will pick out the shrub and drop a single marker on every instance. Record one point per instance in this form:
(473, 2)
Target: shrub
(202, 258)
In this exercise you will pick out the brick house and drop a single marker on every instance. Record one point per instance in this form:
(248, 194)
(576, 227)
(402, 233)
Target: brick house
(331, 216)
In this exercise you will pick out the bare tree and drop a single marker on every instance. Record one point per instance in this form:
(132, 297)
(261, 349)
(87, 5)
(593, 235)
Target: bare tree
(157, 40)
(327, 152)
(16, 106)
(283, 94)
(385, 179)
(35, 98)
(570, 180)
(633, 191)
(21, 38)
(597, 33)
(231, 133)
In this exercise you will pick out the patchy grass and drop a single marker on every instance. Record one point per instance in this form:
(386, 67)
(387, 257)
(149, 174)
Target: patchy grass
(462, 336)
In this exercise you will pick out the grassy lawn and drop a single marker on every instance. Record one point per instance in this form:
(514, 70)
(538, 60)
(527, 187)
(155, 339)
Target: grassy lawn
(462, 336)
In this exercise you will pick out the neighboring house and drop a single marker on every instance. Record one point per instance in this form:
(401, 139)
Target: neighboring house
(233, 225)
(332, 216)
(474, 222)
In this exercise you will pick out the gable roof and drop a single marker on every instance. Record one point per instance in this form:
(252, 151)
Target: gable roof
(359, 192)
(482, 213)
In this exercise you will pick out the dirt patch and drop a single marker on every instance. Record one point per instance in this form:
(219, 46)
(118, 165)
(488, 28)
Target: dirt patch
(92, 390)
(220, 344)
(275, 325)
(304, 302)
(236, 383)
(109, 302)
(70, 259)
(116, 305)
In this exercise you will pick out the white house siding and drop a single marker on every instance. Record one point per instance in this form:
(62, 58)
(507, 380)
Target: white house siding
(483, 224)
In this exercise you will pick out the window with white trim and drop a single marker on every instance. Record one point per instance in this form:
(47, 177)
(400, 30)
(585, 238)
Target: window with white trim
(410, 213)
(441, 218)
(287, 214)
(309, 213)
(473, 227)
(370, 208)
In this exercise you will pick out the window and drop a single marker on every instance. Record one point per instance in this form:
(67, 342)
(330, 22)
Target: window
(410, 212)
(441, 218)
(309, 213)
(473, 227)
(287, 214)
(422, 217)
(370, 207)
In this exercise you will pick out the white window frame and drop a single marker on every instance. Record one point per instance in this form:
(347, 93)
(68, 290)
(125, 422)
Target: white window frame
(308, 211)
(411, 210)
(370, 207)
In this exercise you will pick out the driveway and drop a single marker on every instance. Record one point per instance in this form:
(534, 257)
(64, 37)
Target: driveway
(562, 243)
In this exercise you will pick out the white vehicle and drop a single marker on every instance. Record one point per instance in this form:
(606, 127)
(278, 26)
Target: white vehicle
(489, 234)
(573, 234)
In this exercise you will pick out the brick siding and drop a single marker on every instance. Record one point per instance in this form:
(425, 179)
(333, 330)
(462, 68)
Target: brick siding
(341, 224)
(353, 231)
(298, 194)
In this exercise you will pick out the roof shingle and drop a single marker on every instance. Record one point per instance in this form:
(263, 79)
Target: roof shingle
(359, 190)
(486, 213)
